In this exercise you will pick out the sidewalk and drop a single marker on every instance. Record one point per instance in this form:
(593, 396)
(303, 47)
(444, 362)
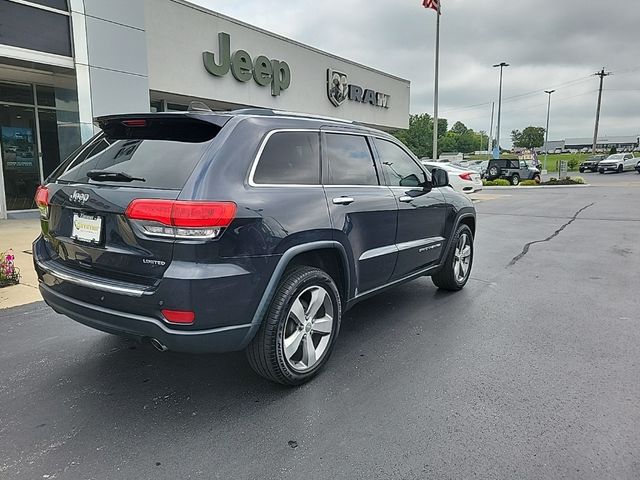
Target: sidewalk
(18, 235)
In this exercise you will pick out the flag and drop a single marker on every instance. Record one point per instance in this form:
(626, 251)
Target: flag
(433, 4)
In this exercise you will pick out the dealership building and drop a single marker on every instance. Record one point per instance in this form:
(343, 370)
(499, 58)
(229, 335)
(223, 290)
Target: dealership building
(63, 63)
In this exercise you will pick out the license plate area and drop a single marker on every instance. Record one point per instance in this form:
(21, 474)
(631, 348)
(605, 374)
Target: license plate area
(86, 228)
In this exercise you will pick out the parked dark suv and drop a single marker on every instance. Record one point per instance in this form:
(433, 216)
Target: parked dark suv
(591, 163)
(256, 230)
(512, 170)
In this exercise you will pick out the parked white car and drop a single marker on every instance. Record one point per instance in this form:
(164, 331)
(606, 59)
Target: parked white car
(461, 180)
(618, 162)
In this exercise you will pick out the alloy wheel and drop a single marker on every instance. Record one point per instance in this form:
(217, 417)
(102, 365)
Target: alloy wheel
(308, 328)
(462, 258)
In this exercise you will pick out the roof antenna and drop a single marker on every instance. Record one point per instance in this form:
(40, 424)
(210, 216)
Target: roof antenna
(198, 106)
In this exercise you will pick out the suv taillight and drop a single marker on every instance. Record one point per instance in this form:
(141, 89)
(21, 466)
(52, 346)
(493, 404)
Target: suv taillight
(42, 201)
(194, 220)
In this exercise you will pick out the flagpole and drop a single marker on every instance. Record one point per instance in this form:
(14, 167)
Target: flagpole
(435, 94)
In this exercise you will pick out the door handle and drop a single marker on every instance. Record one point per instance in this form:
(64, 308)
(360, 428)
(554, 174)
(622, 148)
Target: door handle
(406, 199)
(343, 200)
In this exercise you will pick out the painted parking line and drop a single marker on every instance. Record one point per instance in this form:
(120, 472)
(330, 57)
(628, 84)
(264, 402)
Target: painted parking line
(484, 197)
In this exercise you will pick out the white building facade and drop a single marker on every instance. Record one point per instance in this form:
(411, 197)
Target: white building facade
(65, 62)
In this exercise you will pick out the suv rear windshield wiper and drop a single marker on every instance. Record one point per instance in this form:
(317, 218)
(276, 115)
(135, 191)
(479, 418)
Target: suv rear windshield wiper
(107, 175)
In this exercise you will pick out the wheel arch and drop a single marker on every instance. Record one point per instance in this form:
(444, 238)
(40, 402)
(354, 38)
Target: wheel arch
(466, 216)
(327, 254)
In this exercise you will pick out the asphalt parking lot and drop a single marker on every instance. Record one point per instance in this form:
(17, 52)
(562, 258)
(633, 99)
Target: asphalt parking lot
(532, 371)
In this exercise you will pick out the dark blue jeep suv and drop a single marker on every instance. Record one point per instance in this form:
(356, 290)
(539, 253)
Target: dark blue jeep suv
(251, 229)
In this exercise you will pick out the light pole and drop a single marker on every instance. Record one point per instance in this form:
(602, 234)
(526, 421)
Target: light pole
(497, 155)
(546, 149)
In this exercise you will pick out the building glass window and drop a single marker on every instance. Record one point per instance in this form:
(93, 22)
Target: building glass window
(46, 96)
(57, 4)
(20, 23)
(39, 128)
(16, 93)
(20, 165)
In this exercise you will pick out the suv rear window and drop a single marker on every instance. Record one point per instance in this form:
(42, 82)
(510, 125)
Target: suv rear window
(160, 155)
(290, 158)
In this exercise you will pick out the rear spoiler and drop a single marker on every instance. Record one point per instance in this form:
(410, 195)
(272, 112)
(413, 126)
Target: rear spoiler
(179, 126)
(217, 119)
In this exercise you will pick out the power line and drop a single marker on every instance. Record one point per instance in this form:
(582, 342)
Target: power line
(512, 98)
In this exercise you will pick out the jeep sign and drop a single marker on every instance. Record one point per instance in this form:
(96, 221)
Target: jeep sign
(243, 68)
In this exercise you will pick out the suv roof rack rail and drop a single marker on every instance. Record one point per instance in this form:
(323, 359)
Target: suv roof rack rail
(285, 113)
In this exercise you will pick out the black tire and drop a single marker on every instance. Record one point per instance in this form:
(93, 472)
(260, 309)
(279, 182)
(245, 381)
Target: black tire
(620, 168)
(515, 179)
(493, 173)
(601, 171)
(581, 170)
(537, 179)
(266, 353)
(446, 278)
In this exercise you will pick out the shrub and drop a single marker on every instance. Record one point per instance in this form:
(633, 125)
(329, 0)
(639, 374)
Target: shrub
(9, 273)
(565, 181)
(573, 164)
(499, 182)
(529, 183)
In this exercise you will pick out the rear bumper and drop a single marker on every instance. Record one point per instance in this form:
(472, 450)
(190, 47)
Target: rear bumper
(224, 298)
(224, 339)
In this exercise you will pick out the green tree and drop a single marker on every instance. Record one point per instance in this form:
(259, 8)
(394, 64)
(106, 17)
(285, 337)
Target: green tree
(530, 137)
(419, 136)
(459, 128)
(448, 143)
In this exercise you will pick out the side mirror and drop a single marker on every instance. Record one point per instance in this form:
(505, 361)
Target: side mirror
(439, 178)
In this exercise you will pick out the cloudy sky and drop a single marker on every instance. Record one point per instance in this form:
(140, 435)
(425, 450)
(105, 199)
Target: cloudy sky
(556, 44)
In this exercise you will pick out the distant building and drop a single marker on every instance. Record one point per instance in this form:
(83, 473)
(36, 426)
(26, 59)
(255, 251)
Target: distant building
(551, 146)
(621, 143)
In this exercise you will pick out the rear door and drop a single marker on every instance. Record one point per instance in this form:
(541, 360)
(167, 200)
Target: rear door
(421, 212)
(363, 210)
(86, 226)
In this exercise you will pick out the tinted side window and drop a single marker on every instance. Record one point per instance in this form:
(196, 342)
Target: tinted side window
(349, 160)
(399, 167)
(290, 158)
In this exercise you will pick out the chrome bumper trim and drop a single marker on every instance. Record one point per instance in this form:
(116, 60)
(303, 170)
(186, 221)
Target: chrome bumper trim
(65, 275)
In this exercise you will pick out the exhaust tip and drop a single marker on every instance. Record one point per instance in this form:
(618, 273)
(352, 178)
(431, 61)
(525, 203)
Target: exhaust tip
(158, 344)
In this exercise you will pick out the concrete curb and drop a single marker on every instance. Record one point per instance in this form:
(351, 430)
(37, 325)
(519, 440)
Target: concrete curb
(539, 187)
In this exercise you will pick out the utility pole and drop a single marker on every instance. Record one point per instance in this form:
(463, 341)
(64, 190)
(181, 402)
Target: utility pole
(501, 65)
(435, 88)
(490, 144)
(546, 150)
(600, 74)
